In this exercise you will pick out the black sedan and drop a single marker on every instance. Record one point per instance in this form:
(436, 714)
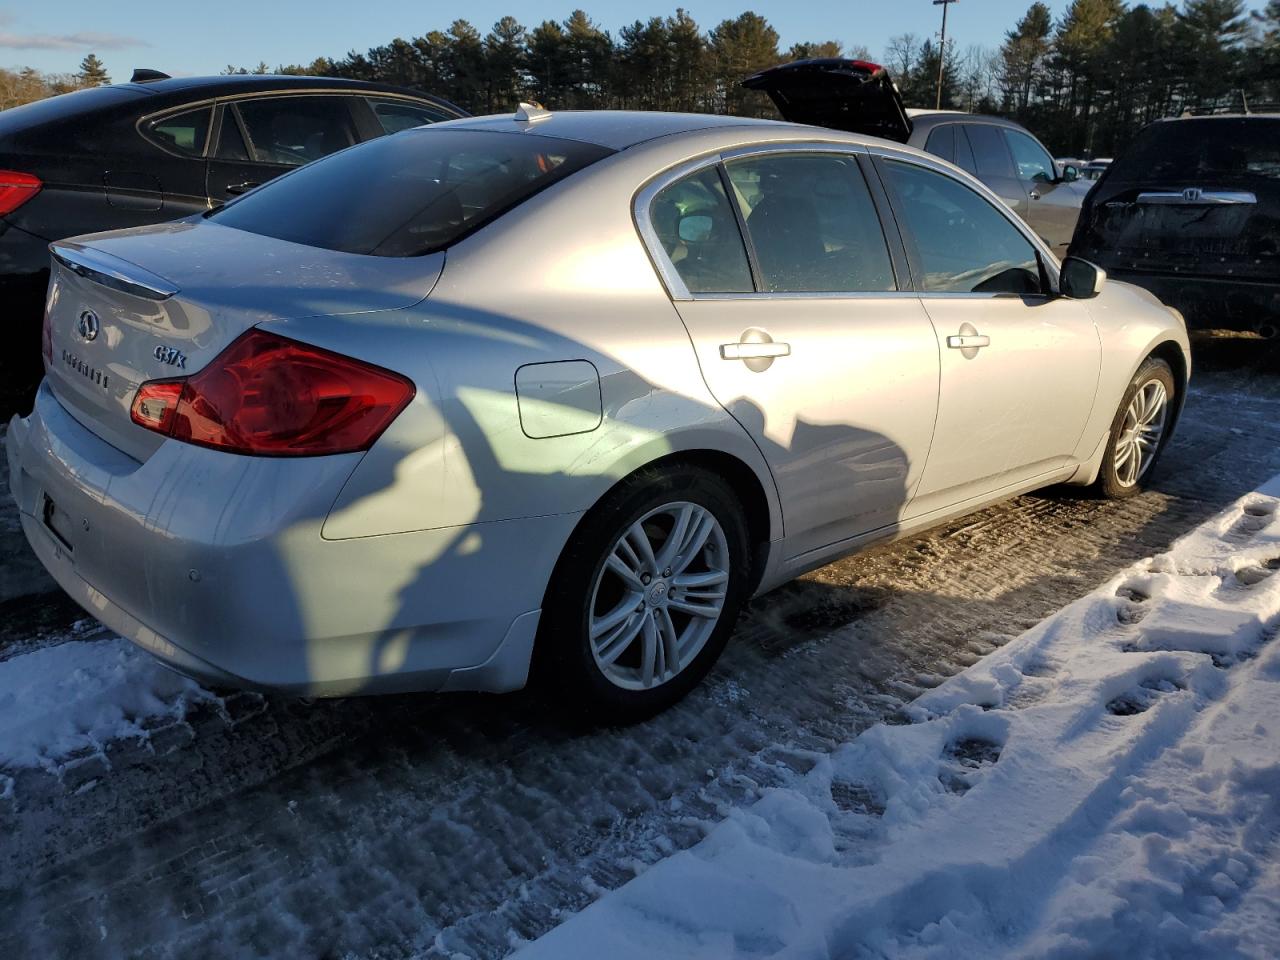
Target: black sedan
(159, 148)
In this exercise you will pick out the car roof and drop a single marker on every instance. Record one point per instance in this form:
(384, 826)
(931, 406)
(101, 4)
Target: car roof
(1223, 116)
(256, 83)
(615, 129)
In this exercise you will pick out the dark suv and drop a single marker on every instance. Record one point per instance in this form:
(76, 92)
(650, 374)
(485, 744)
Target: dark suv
(1191, 211)
(159, 149)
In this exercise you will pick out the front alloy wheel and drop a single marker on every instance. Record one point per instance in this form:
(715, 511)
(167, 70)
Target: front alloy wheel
(1139, 431)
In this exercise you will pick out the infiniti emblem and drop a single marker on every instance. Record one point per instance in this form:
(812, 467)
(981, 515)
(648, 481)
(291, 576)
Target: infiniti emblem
(88, 325)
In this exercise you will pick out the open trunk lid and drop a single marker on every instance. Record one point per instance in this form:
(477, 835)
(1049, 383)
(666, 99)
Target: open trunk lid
(851, 95)
(155, 302)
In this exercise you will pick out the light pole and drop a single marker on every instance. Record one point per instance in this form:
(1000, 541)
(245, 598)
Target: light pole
(942, 48)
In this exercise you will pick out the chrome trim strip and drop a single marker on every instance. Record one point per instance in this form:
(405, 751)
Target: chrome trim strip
(111, 271)
(1196, 196)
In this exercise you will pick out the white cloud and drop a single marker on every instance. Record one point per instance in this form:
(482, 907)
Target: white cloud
(83, 40)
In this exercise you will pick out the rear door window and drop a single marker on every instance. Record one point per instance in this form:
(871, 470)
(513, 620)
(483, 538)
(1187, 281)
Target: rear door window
(989, 150)
(397, 115)
(699, 234)
(410, 194)
(812, 224)
(185, 133)
(231, 145)
(290, 131)
(965, 244)
(942, 142)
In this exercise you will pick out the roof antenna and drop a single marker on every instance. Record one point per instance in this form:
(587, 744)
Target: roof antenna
(531, 112)
(143, 74)
(1244, 101)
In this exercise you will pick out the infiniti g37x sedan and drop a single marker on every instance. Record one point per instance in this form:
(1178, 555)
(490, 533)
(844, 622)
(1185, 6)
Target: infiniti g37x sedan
(553, 396)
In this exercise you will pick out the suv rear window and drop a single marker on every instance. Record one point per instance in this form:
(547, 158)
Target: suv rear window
(410, 194)
(1236, 148)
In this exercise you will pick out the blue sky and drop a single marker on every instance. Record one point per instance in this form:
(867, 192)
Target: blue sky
(185, 37)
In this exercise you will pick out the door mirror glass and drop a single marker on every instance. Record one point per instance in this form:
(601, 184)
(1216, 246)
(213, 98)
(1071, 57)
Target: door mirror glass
(1070, 173)
(695, 229)
(1080, 279)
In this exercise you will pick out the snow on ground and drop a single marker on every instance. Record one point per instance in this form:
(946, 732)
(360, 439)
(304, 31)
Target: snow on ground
(1107, 784)
(68, 700)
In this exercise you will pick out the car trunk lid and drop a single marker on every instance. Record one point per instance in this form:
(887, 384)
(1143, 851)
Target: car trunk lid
(852, 95)
(157, 302)
(1196, 197)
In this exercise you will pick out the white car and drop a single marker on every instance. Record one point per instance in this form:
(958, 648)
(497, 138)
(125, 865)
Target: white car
(556, 394)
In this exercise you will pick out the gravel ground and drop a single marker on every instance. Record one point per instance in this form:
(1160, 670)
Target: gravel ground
(464, 825)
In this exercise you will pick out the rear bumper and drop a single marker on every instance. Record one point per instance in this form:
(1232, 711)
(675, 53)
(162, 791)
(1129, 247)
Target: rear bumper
(215, 564)
(1208, 303)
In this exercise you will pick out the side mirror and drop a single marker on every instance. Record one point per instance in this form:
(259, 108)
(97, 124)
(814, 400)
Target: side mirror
(695, 228)
(1070, 173)
(1080, 279)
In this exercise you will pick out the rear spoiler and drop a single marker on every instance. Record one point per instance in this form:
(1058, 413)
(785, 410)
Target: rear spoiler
(111, 271)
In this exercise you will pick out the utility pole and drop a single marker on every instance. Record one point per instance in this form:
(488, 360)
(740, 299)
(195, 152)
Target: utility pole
(942, 48)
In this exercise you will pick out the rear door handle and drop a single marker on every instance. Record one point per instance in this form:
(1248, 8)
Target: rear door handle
(754, 351)
(966, 341)
(235, 189)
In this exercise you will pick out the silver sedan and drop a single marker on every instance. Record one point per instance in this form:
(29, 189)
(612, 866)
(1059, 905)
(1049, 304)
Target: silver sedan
(552, 396)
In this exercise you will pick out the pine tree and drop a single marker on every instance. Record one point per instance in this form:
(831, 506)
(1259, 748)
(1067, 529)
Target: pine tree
(92, 72)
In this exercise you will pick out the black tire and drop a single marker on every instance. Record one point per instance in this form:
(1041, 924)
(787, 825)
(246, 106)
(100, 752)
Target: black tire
(564, 664)
(1109, 483)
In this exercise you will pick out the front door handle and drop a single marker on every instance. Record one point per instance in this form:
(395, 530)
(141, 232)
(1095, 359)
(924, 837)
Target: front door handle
(968, 341)
(754, 351)
(235, 189)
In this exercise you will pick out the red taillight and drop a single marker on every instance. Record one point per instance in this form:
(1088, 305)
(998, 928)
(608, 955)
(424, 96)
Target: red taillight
(270, 396)
(156, 403)
(16, 189)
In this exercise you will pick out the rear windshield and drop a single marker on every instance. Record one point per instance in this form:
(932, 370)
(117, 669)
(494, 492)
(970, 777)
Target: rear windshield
(412, 193)
(65, 107)
(1204, 149)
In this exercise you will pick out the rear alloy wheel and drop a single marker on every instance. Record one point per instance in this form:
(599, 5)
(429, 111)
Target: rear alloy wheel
(1139, 431)
(643, 600)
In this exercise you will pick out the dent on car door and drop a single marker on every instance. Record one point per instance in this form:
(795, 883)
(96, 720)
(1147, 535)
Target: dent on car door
(1019, 365)
(803, 335)
(261, 138)
(1053, 205)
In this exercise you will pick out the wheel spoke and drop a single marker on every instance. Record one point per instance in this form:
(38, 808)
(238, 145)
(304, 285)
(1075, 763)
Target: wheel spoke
(625, 572)
(670, 642)
(1123, 452)
(687, 605)
(679, 530)
(602, 625)
(696, 581)
(621, 640)
(648, 650)
(639, 541)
